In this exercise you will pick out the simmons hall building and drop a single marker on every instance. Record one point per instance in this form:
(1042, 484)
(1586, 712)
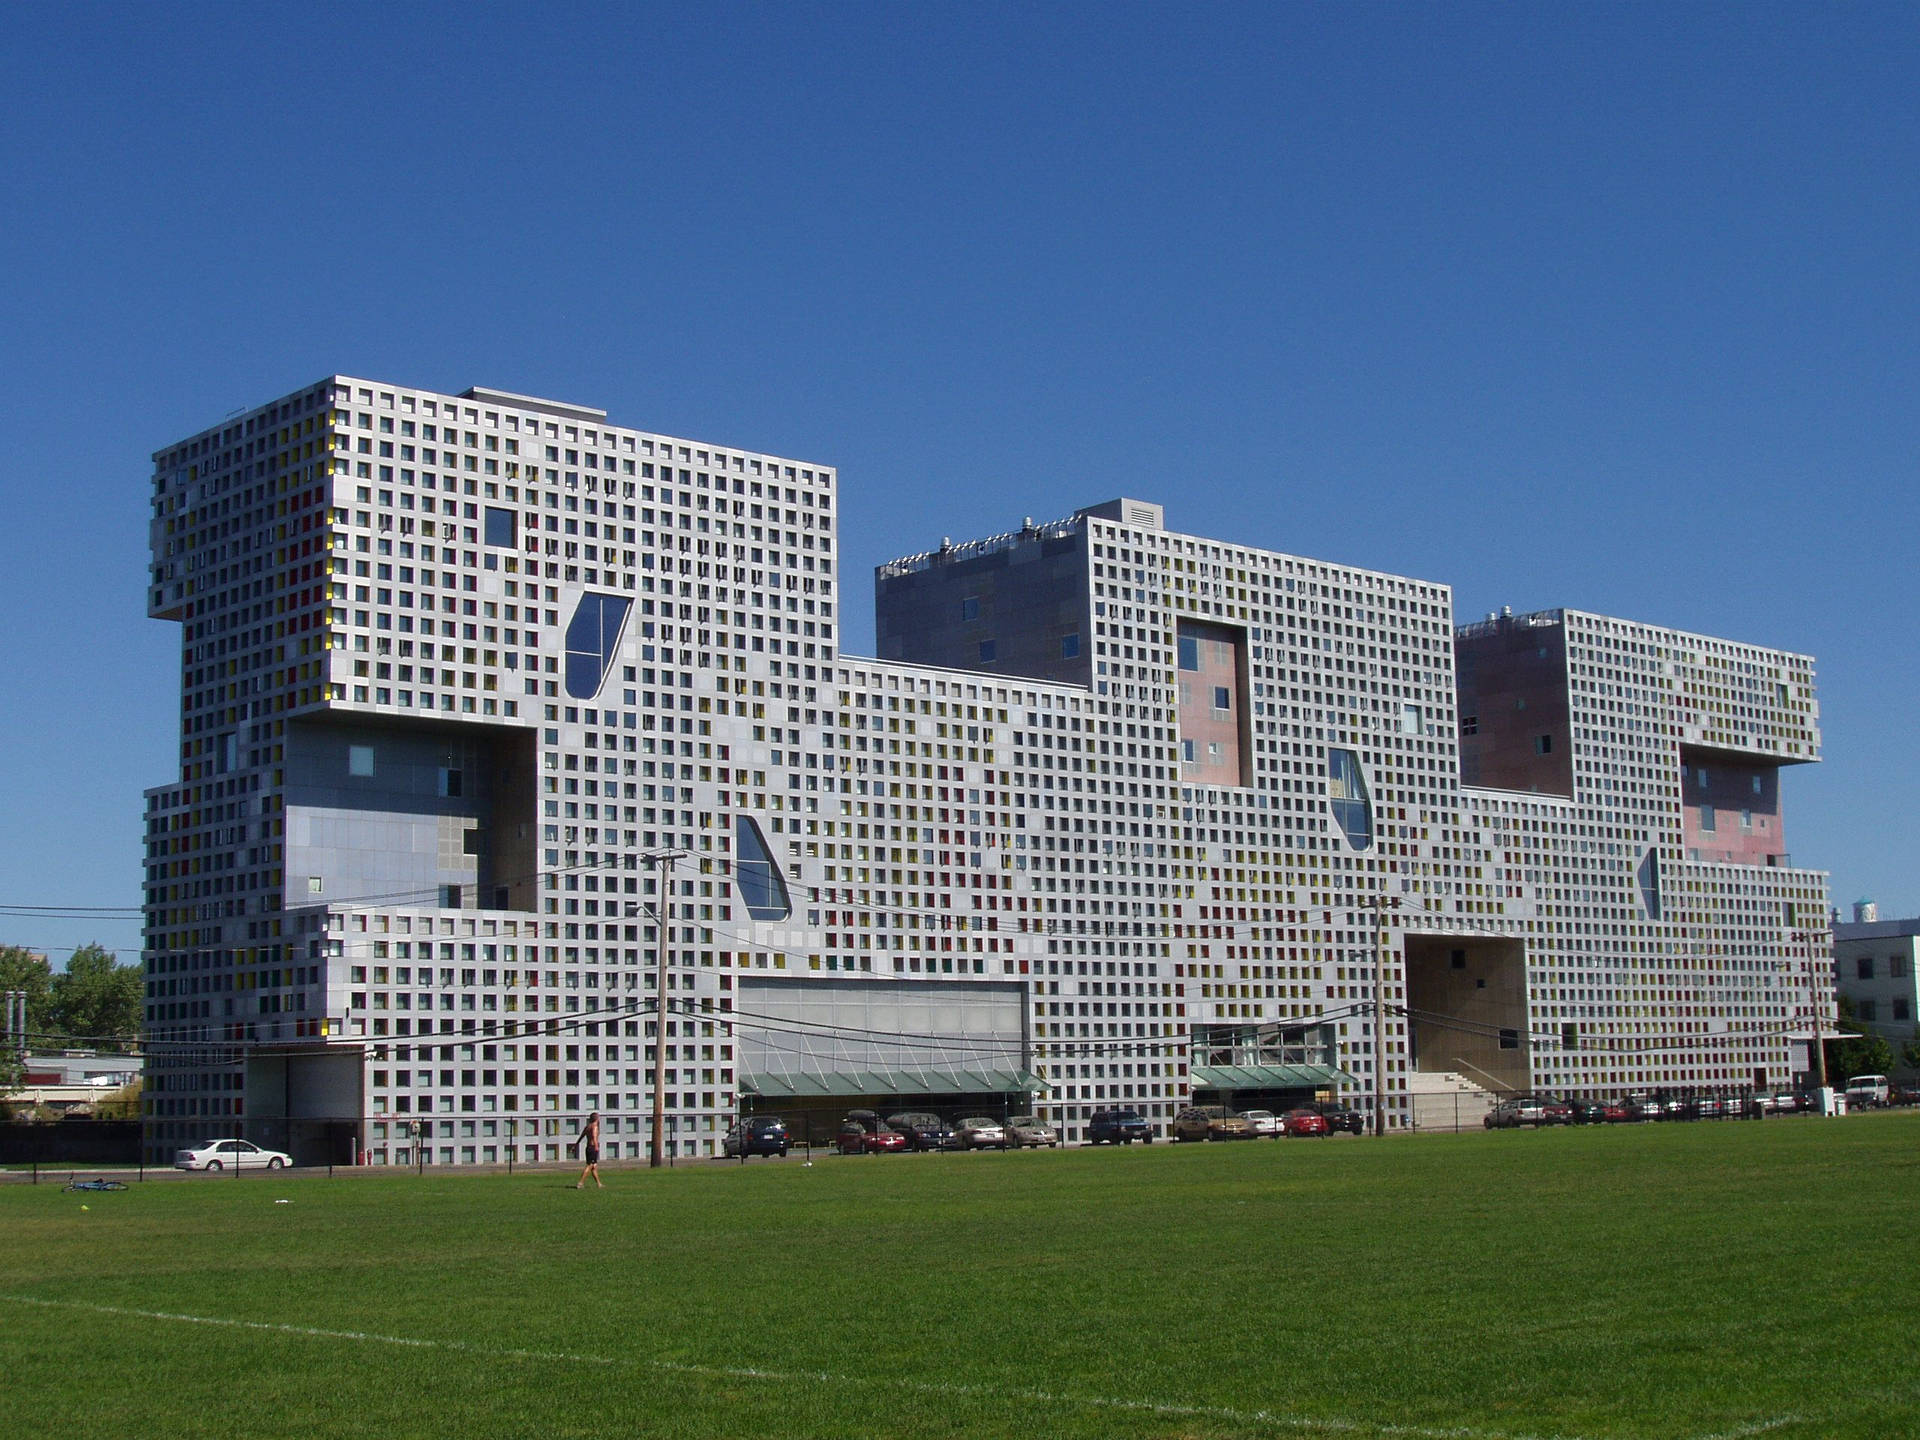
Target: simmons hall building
(491, 710)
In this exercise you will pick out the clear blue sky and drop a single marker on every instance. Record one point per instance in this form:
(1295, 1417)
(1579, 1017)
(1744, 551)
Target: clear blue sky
(1609, 307)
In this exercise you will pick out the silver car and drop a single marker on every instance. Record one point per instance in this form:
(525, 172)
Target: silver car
(1031, 1131)
(1263, 1123)
(977, 1132)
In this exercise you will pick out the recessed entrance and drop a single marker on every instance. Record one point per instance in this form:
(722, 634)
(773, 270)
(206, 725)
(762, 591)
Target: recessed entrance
(1468, 1001)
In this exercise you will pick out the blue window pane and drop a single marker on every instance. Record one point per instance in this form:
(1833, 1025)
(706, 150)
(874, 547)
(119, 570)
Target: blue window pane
(500, 526)
(593, 635)
(1650, 884)
(1189, 652)
(762, 889)
(1347, 794)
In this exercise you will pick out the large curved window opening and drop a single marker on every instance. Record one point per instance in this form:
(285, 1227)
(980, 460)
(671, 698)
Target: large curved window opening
(593, 636)
(1650, 884)
(762, 889)
(1347, 794)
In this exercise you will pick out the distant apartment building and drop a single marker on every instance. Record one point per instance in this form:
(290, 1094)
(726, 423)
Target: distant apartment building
(484, 698)
(1873, 967)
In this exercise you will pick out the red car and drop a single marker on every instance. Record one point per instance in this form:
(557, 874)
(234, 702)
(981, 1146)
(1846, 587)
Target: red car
(1305, 1122)
(855, 1139)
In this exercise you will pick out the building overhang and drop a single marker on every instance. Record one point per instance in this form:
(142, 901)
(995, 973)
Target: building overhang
(819, 1084)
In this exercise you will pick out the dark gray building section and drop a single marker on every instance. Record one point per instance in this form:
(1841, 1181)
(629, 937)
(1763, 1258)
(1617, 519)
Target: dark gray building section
(1014, 604)
(1515, 710)
(404, 812)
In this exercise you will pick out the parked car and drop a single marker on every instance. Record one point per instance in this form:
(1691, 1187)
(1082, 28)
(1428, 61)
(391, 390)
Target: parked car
(1264, 1123)
(1210, 1122)
(979, 1132)
(756, 1135)
(1117, 1127)
(1306, 1122)
(1513, 1113)
(856, 1139)
(1031, 1131)
(924, 1131)
(1555, 1112)
(1868, 1092)
(1340, 1117)
(1588, 1112)
(230, 1154)
(1614, 1112)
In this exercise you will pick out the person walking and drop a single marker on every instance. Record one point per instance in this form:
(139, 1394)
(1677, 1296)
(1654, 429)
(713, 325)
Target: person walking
(590, 1137)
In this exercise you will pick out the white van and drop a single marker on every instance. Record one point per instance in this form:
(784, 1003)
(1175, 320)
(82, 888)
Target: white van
(1865, 1091)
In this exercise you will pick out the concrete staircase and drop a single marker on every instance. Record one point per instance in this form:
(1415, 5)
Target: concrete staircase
(1444, 1100)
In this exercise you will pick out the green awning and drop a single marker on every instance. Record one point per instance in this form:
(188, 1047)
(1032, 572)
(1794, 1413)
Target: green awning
(1265, 1077)
(878, 1084)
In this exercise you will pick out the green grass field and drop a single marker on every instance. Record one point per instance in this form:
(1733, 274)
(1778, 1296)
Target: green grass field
(1662, 1281)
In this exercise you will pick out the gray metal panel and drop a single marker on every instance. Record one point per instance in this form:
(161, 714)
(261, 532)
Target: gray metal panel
(811, 1025)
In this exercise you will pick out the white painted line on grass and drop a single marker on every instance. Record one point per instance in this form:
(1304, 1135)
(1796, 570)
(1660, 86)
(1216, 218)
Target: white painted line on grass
(1328, 1425)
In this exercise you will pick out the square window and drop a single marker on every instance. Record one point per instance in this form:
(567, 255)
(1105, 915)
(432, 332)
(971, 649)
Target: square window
(1070, 647)
(1864, 967)
(501, 528)
(1707, 822)
(987, 650)
(1186, 751)
(970, 607)
(1189, 652)
(360, 760)
(1222, 697)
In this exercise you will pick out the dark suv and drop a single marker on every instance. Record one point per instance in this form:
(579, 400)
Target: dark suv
(1117, 1127)
(756, 1135)
(1340, 1117)
(923, 1131)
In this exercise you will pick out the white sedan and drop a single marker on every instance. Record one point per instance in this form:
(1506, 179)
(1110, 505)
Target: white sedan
(1263, 1122)
(239, 1154)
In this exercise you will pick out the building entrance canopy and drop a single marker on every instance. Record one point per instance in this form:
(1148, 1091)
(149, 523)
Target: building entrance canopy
(1266, 1077)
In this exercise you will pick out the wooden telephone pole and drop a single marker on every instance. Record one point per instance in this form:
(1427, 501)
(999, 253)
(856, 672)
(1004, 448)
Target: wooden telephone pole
(662, 862)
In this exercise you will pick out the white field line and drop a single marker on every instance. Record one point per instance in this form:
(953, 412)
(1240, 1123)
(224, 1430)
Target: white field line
(1329, 1425)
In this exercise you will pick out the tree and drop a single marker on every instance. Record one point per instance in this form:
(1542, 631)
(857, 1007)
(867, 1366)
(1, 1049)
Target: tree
(122, 1104)
(22, 969)
(97, 999)
(1911, 1052)
(1854, 1051)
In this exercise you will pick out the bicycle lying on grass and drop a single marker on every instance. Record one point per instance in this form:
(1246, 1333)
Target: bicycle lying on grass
(94, 1186)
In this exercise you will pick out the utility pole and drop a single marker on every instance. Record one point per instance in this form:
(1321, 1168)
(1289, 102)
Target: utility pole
(662, 862)
(1380, 1008)
(1813, 992)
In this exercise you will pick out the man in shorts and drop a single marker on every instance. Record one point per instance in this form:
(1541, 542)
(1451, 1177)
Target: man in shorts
(590, 1137)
